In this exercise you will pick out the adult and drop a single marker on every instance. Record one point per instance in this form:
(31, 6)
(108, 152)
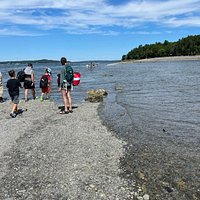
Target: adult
(65, 87)
(29, 81)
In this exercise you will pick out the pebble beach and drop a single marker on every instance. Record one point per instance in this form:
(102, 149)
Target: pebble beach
(46, 155)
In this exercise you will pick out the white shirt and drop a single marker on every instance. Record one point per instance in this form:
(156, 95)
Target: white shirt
(28, 70)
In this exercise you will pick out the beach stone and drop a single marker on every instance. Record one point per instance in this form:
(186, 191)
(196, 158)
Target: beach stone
(95, 95)
(180, 184)
(118, 87)
(146, 197)
(140, 175)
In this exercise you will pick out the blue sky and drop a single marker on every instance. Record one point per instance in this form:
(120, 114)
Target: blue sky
(91, 29)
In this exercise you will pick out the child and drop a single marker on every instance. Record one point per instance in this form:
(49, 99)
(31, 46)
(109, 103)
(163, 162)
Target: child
(13, 85)
(45, 84)
(49, 71)
(1, 89)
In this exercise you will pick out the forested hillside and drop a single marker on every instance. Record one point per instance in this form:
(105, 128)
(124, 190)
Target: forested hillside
(183, 47)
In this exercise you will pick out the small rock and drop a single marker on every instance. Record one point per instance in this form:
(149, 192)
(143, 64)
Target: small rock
(180, 184)
(119, 87)
(146, 197)
(140, 175)
(92, 186)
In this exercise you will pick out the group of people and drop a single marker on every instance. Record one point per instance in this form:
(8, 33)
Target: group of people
(14, 85)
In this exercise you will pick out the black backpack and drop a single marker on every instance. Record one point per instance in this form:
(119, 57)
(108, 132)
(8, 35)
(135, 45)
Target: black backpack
(21, 76)
(43, 81)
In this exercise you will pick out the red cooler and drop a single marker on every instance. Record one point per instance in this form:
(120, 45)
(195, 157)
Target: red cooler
(76, 80)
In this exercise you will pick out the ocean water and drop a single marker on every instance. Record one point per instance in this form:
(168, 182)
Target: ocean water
(155, 108)
(154, 97)
(89, 78)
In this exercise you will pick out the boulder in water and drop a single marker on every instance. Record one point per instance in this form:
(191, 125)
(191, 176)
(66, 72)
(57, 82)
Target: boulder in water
(96, 95)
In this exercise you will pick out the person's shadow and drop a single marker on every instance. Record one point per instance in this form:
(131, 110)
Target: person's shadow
(62, 107)
(20, 111)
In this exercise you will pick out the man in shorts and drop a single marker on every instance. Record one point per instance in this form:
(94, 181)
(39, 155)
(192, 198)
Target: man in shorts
(13, 86)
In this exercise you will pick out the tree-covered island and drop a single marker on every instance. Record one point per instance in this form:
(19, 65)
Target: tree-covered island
(189, 46)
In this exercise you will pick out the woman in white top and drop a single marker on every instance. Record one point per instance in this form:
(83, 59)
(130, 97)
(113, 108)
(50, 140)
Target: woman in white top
(29, 81)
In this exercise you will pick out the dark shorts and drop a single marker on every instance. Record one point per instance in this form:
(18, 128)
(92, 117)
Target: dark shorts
(66, 86)
(28, 84)
(15, 99)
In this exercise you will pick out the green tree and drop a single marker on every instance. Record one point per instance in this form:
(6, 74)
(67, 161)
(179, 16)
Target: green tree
(185, 46)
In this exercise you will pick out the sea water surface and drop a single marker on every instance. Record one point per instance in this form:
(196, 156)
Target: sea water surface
(152, 96)
(152, 105)
(157, 97)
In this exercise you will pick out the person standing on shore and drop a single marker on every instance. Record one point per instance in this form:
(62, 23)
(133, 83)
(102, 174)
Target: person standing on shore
(13, 86)
(29, 81)
(66, 86)
(1, 88)
(45, 84)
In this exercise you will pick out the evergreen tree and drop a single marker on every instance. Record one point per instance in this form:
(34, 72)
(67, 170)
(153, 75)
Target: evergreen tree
(183, 47)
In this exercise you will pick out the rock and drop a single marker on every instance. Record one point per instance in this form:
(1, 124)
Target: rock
(140, 175)
(146, 197)
(96, 95)
(180, 184)
(118, 87)
(167, 187)
(101, 91)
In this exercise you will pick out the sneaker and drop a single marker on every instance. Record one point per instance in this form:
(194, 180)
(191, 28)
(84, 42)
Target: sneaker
(41, 99)
(13, 115)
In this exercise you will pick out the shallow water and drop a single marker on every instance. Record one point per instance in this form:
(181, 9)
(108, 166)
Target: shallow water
(147, 96)
(157, 96)
(155, 108)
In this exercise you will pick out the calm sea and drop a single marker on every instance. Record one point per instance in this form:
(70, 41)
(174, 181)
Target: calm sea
(153, 97)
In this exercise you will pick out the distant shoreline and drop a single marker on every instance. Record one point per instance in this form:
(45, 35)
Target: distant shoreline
(159, 59)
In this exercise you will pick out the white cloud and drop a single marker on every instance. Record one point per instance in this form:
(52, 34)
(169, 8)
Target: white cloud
(93, 16)
(13, 31)
(191, 21)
